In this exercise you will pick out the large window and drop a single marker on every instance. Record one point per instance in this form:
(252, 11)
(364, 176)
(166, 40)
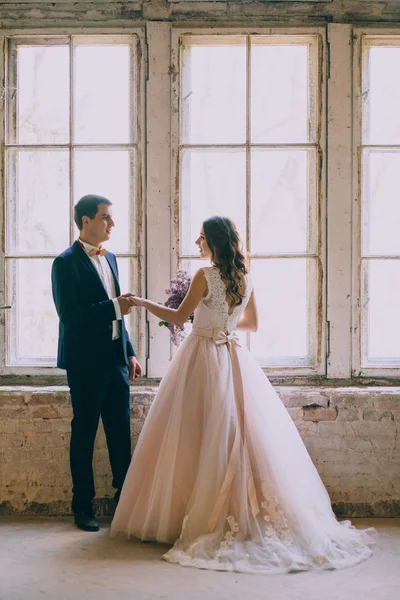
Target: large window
(71, 128)
(249, 148)
(292, 132)
(379, 264)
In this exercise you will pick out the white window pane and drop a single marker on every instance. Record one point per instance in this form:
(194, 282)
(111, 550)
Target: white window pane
(213, 92)
(381, 311)
(381, 202)
(32, 323)
(213, 183)
(127, 270)
(38, 208)
(286, 299)
(192, 266)
(279, 93)
(43, 95)
(382, 98)
(108, 173)
(282, 201)
(102, 94)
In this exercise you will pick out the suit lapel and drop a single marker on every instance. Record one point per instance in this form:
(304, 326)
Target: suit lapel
(87, 263)
(114, 272)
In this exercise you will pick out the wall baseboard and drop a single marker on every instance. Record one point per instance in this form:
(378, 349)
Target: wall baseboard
(104, 507)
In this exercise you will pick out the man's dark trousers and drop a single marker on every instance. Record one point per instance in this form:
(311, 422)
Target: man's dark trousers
(102, 394)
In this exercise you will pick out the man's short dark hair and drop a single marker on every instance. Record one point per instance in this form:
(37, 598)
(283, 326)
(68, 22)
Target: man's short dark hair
(88, 207)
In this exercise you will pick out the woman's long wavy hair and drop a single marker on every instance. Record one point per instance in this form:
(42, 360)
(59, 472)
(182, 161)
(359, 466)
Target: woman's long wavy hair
(227, 254)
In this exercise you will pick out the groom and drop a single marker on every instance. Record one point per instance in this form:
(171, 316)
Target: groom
(95, 350)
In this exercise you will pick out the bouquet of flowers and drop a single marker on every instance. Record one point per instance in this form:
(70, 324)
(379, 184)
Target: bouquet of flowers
(176, 293)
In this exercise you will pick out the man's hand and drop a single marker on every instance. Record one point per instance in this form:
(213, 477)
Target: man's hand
(125, 303)
(135, 369)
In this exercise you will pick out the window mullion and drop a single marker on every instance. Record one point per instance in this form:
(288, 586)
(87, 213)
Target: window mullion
(3, 121)
(339, 200)
(158, 185)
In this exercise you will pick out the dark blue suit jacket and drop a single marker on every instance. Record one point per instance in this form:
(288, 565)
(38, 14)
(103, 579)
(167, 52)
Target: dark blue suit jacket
(86, 312)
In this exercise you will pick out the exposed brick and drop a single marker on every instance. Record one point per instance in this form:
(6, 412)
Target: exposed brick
(12, 441)
(137, 412)
(359, 443)
(43, 399)
(307, 428)
(145, 411)
(319, 414)
(46, 412)
(371, 429)
(347, 451)
(12, 456)
(295, 397)
(36, 426)
(352, 398)
(42, 454)
(15, 412)
(296, 413)
(62, 425)
(13, 400)
(325, 443)
(61, 455)
(358, 480)
(350, 414)
(7, 426)
(396, 414)
(137, 428)
(48, 440)
(388, 401)
(336, 456)
(377, 415)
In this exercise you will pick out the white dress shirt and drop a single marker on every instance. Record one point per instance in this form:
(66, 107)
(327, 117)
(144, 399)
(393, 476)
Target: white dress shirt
(102, 267)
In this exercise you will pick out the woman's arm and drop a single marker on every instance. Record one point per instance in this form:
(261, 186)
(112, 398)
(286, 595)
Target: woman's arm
(178, 316)
(249, 320)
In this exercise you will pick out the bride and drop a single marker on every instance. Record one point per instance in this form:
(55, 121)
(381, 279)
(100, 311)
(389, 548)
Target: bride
(220, 470)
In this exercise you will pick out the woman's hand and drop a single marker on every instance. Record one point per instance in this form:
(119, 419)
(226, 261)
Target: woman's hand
(132, 299)
(177, 316)
(136, 300)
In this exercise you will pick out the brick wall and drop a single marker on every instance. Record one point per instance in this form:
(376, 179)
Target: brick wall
(352, 435)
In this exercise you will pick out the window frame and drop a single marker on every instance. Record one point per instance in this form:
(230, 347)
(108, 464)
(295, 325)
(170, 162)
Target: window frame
(320, 34)
(340, 216)
(138, 80)
(361, 37)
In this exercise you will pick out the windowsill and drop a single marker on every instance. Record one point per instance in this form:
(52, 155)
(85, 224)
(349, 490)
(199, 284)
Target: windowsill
(57, 381)
(43, 381)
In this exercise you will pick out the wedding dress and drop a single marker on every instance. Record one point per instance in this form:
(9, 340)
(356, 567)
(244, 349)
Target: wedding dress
(220, 470)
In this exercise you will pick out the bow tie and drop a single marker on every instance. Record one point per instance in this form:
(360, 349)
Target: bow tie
(99, 252)
(93, 251)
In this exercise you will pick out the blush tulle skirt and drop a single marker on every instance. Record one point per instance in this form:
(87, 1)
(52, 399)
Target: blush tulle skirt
(221, 473)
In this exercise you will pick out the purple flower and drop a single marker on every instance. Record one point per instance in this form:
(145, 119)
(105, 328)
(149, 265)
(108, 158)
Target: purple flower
(179, 286)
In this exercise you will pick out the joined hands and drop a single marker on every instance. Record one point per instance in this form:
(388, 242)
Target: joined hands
(126, 301)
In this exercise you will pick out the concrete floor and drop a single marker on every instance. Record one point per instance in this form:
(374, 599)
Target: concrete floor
(51, 559)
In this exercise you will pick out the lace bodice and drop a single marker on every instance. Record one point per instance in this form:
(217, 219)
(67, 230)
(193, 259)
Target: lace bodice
(213, 310)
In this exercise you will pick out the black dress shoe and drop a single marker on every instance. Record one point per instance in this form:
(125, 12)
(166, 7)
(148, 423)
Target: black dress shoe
(86, 521)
